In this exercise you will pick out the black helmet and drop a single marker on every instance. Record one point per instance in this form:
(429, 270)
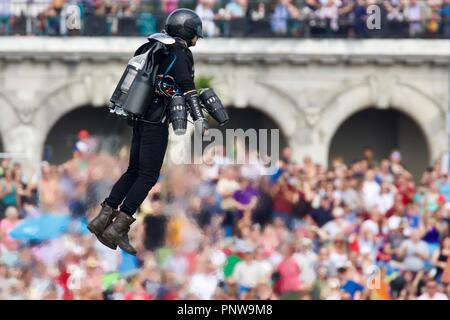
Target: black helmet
(184, 23)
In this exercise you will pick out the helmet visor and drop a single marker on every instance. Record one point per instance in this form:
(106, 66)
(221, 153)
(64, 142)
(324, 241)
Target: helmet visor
(199, 31)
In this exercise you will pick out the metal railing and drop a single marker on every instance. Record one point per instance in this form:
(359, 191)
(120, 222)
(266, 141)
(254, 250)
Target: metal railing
(140, 18)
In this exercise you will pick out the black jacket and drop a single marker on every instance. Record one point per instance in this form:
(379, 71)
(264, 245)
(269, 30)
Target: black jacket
(182, 71)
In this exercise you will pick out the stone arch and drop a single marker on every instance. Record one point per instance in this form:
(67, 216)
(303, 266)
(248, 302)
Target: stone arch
(383, 130)
(266, 98)
(277, 104)
(110, 131)
(61, 101)
(252, 117)
(81, 91)
(425, 112)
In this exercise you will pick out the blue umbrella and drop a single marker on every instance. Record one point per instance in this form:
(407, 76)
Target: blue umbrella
(44, 227)
(80, 226)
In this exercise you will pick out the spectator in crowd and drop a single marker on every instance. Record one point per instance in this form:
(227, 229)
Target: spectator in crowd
(258, 11)
(289, 273)
(248, 272)
(441, 257)
(330, 14)
(10, 221)
(396, 18)
(345, 10)
(283, 11)
(51, 197)
(8, 189)
(169, 5)
(205, 10)
(155, 224)
(339, 225)
(246, 198)
(323, 213)
(430, 229)
(5, 17)
(359, 18)
(432, 293)
(177, 264)
(445, 16)
(203, 282)
(235, 16)
(416, 16)
(138, 293)
(350, 289)
(414, 252)
(237, 8)
(338, 254)
(433, 20)
(371, 190)
(307, 260)
(226, 186)
(284, 195)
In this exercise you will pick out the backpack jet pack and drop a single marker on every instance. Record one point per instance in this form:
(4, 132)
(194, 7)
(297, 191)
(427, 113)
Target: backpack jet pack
(134, 92)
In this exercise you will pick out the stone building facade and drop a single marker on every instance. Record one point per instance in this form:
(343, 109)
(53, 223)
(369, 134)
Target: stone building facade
(308, 87)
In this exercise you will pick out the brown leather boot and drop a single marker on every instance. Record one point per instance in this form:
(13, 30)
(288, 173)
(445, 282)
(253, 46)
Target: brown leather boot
(98, 225)
(117, 232)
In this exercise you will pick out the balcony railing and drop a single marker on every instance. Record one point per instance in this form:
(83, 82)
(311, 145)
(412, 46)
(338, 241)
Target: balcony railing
(140, 18)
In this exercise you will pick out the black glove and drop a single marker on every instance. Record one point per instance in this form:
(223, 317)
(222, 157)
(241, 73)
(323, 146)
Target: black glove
(195, 110)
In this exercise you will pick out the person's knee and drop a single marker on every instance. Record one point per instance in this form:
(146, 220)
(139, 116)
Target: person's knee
(148, 177)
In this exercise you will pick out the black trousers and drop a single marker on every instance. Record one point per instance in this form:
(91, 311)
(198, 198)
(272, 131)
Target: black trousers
(148, 148)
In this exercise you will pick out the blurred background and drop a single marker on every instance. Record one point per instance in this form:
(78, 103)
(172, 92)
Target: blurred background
(358, 207)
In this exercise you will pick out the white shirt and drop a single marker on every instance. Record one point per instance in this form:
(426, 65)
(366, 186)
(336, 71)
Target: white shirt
(352, 198)
(210, 172)
(371, 192)
(338, 260)
(218, 259)
(177, 265)
(207, 16)
(335, 227)
(371, 225)
(412, 261)
(385, 202)
(203, 285)
(414, 13)
(226, 186)
(436, 296)
(248, 274)
(307, 262)
(275, 259)
(265, 269)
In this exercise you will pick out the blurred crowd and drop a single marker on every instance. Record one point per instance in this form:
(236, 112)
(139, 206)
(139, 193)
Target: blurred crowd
(363, 230)
(231, 18)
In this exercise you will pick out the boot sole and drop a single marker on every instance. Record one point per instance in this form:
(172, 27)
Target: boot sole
(103, 240)
(110, 240)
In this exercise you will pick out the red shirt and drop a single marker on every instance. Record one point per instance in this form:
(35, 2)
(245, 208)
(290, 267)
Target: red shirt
(281, 202)
(289, 276)
(62, 280)
(137, 296)
(407, 193)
